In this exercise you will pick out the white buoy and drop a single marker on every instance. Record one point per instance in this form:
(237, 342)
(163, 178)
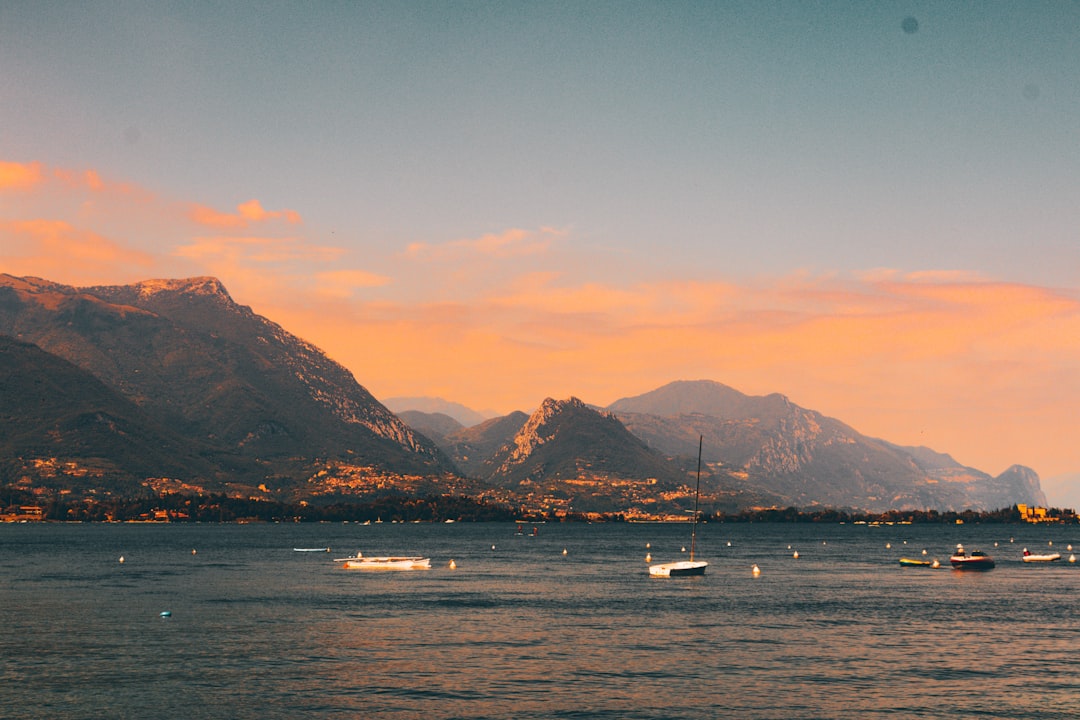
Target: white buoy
(492, 547)
(121, 559)
(1069, 548)
(564, 551)
(756, 570)
(452, 565)
(729, 543)
(935, 564)
(888, 546)
(1072, 558)
(1051, 543)
(995, 543)
(648, 557)
(924, 552)
(648, 545)
(796, 555)
(684, 548)
(192, 551)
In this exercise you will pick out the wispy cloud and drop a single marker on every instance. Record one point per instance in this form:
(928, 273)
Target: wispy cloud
(908, 358)
(246, 215)
(261, 250)
(52, 248)
(512, 243)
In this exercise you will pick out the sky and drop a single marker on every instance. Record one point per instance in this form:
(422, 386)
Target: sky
(872, 208)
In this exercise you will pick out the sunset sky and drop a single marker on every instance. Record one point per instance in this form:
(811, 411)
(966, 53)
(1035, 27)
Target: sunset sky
(872, 208)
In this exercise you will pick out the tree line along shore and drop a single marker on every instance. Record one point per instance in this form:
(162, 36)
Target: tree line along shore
(22, 506)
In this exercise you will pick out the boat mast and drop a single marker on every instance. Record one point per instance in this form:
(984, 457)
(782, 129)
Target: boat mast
(697, 493)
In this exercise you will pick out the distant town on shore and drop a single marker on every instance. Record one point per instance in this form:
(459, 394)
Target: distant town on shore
(180, 508)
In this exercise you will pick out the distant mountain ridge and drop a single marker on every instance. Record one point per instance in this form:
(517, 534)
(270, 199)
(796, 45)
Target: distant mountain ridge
(808, 459)
(758, 451)
(464, 415)
(170, 384)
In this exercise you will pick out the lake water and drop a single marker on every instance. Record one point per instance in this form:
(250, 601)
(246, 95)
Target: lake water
(521, 630)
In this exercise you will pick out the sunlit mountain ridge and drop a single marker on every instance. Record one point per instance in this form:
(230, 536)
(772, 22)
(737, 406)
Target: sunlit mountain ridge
(172, 385)
(756, 450)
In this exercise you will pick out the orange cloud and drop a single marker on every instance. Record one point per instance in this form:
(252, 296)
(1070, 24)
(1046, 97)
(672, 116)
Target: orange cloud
(246, 214)
(264, 250)
(55, 249)
(20, 176)
(508, 244)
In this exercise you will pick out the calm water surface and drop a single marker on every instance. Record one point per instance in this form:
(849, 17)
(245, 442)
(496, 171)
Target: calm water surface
(521, 630)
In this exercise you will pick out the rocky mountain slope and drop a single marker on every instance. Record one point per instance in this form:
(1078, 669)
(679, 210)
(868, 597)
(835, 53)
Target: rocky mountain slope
(63, 428)
(805, 459)
(570, 456)
(271, 405)
(471, 448)
(567, 440)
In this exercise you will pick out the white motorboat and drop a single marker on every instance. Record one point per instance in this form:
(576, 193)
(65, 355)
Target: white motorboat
(385, 562)
(685, 567)
(977, 560)
(1044, 557)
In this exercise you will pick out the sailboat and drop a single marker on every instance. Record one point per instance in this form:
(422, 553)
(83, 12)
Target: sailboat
(691, 566)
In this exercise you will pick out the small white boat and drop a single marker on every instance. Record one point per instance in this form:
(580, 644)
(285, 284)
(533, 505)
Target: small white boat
(1045, 557)
(677, 569)
(386, 562)
(322, 549)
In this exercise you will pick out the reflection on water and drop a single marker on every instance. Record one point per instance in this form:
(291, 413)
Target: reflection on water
(524, 631)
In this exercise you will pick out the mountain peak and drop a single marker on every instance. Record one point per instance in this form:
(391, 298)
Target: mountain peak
(684, 397)
(551, 406)
(535, 432)
(183, 286)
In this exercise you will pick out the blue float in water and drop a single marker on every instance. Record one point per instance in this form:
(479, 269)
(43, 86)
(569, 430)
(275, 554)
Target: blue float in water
(166, 613)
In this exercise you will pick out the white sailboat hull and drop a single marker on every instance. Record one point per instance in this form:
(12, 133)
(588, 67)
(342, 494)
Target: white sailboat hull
(677, 569)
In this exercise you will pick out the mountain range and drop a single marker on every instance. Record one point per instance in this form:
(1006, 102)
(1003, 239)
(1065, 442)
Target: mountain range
(172, 385)
(756, 451)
